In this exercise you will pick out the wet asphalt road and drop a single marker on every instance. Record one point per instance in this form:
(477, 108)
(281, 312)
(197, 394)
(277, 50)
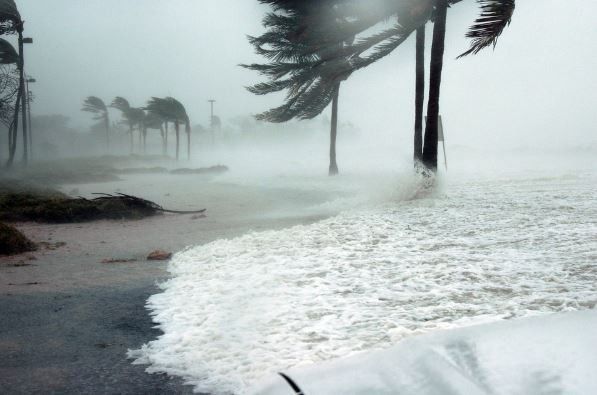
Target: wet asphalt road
(76, 343)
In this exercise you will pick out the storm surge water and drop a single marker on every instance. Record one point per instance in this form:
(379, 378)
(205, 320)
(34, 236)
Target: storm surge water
(475, 250)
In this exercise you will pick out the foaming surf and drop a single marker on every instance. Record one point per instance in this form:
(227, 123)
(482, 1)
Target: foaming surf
(396, 262)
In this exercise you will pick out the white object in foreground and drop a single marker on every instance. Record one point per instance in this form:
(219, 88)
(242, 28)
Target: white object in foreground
(553, 354)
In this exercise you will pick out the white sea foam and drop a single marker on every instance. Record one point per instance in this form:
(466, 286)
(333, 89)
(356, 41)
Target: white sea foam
(482, 250)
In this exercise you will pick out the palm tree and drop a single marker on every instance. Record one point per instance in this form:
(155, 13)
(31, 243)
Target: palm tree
(157, 109)
(10, 23)
(410, 15)
(96, 106)
(495, 16)
(9, 56)
(293, 63)
(152, 121)
(171, 110)
(133, 117)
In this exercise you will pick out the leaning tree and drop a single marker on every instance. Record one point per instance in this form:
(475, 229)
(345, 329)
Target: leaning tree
(11, 23)
(132, 116)
(152, 121)
(9, 90)
(364, 16)
(96, 106)
(292, 61)
(171, 110)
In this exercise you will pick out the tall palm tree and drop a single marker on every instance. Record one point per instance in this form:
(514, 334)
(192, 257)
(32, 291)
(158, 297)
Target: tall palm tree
(495, 16)
(9, 56)
(180, 114)
(11, 23)
(133, 117)
(409, 15)
(158, 109)
(96, 106)
(152, 121)
(171, 110)
(292, 65)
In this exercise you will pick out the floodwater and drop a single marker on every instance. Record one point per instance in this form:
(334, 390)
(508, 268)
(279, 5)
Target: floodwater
(395, 261)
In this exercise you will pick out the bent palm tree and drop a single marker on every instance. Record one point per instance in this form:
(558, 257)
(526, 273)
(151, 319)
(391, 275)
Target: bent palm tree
(96, 106)
(292, 65)
(131, 116)
(11, 23)
(171, 110)
(152, 121)
(314, 37)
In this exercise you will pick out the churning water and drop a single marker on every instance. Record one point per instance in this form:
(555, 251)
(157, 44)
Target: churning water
(475, 250)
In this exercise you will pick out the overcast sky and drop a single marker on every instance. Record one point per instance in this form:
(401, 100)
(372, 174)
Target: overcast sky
(540, 81)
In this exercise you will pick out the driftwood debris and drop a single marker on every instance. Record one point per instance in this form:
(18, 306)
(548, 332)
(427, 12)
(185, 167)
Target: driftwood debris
(59, 208)
(141, 203)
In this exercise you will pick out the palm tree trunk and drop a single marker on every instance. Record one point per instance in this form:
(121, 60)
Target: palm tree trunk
(176, 127)
(435, 80)
(107, 126)
(164, 141)
(13, 130)
(140, 129)
(144, 140)
(333, 170)
(419, 96)
(131, 138)
(23, 98)
(188, 130)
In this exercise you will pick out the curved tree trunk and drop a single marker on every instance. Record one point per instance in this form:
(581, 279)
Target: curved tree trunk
(131, 139)
(435, 80)
(163, 140)
(23, 98)
(107, 126)
(165, 149)
(140, 128)
(144, 140)
(419, 96)
(177, 129)
(333, 170)
(13, 131)
(188, 131)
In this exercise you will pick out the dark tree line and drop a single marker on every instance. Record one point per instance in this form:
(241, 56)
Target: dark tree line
(311, 46)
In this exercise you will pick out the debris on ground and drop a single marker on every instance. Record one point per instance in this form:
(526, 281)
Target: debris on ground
(159, 255)
(55, 207)
(118, 260)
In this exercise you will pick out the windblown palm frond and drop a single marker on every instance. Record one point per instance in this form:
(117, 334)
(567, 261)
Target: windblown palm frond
(152, 121)
(8, 54)
(177, 109)
(137, 116)
(495, 16)
(96, 106)
(121, 104)
(10, 19)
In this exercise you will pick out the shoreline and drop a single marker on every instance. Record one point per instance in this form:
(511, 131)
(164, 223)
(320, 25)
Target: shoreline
(69, 319)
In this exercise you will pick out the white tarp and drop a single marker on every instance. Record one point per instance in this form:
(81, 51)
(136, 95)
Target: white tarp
(553, 354)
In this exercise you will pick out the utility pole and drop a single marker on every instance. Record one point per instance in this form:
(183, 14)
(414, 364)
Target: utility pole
(211, 122)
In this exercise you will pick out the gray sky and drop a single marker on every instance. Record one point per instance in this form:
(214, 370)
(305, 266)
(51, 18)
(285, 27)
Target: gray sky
(540, 79)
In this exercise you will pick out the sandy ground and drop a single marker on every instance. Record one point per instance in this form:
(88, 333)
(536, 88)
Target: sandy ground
(68, 319)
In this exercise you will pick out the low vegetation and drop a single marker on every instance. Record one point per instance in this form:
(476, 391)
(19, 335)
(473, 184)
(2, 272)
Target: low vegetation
(13, 242)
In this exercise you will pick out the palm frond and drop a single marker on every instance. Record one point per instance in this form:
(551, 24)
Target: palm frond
(8, 54)
(495, 16)
(10, 19)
